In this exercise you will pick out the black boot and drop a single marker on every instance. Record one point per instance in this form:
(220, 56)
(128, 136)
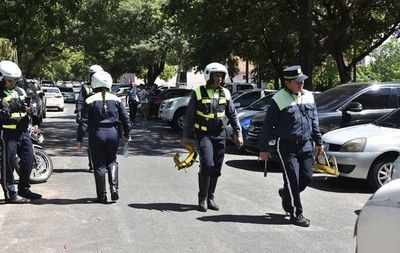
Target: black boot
(113, 181)
(101, 189)
(204, 184)
(210, 200)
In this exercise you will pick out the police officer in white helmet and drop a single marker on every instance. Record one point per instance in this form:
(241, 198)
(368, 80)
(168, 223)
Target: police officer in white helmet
(15, 139)
(81, 111)
(105, 113)
(208, 108)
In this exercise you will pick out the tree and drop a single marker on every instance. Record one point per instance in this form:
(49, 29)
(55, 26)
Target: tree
(385, 63)
(350, 30)
(6, 49)
(36, 28)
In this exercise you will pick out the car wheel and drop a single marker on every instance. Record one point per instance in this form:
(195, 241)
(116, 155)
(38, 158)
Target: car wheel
(380, 172)
(178, 120)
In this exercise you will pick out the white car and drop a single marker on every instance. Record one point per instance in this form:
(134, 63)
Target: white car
(366, 151)
(54, 98)
(173, 111)
(378, 225)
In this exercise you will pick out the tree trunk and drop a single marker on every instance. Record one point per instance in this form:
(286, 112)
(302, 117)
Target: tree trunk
(306, 47)
(344, 71)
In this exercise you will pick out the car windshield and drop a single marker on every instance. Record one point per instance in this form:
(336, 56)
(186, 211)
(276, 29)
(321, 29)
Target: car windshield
(51, 90)
(391, 119)
(261, 104)
(334, 98)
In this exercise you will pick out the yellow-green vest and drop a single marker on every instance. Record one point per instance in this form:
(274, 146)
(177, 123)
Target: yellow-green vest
(12, 122)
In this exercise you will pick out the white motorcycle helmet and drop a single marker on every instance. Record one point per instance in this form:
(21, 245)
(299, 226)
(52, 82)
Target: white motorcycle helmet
(9, 71)
(213, 68)
(94, 68)
(101, 79)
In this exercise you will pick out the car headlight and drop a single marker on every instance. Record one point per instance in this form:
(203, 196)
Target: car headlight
(169, 104)
(355, 145)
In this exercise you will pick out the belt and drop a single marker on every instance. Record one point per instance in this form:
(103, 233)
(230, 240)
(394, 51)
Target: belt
(294, 141)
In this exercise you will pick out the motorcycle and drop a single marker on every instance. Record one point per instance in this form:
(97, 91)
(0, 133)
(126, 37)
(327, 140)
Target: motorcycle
(42, 163)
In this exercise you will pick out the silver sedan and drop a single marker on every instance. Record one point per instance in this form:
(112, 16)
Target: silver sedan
(366, 151)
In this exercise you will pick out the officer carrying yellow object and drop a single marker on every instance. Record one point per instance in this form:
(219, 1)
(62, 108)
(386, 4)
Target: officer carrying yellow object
(188, 161)
(208, 108)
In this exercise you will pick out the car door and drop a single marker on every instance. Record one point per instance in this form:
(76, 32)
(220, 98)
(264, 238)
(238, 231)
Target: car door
(375, 103)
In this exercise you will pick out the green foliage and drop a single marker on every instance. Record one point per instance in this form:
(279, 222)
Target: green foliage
(6, 49)
(385, 64)
(168, 72)
(326, 75)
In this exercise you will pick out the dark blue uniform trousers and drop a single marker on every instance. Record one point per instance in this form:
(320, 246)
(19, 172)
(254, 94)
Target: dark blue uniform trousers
(16, 142)
(296, 161)
(103, 145)
(212, 152)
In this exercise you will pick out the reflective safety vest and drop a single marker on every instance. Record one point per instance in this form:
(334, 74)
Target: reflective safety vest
(210, 109)
(88, 90)
(13, 96)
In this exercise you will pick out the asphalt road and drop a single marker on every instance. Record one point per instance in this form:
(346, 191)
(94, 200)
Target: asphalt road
(157, 207)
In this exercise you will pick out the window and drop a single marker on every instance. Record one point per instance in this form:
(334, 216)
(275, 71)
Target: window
(375, 99)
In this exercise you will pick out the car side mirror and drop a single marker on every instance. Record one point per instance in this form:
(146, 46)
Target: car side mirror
(353, 107)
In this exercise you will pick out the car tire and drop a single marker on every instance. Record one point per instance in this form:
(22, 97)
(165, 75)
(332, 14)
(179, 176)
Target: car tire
(178, 119)
(380, 172)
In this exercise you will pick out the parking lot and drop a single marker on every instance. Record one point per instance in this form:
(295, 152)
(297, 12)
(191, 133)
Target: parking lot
(157, 207)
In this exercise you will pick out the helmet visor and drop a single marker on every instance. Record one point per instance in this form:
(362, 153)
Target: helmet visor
(11, 78)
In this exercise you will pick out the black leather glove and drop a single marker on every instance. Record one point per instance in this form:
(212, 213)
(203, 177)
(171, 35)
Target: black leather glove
(14, 106)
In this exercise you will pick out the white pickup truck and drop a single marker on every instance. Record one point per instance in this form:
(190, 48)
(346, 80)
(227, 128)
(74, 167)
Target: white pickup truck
(173, 111)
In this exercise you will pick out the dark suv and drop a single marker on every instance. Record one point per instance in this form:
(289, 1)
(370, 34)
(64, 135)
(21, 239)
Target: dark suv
(38, 101)
(341, 106)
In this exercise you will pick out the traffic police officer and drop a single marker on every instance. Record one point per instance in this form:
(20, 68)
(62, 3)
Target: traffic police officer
(15, 137)
(81, 110)
(294, 115)
(208, 109)
(105, 113)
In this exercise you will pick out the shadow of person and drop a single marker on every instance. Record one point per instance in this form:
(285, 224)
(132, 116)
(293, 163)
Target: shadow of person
(44, 201)
(70, 170)
(339, 184)
(254, 165)
(268, 218)
(174, 207)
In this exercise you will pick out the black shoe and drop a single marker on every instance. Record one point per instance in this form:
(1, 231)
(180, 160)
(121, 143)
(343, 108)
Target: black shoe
(286, 207)
(212, 205)
(29, 195)
(202, 205)
(17, 200)
(101, 199)
(114, 195)
(300, 221)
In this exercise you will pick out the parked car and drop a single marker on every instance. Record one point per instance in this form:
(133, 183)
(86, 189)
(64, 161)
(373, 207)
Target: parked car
(161, 95)
(173, 111)
(234, 87)
(47, 83)
(247, 113)
(366, 151)
(245, 98)
(377, 227)
(345, 105)
(68, 94)
(54, 98)
(37, 99)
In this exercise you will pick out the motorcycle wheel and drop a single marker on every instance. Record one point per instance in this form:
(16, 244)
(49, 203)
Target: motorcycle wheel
(42, 167)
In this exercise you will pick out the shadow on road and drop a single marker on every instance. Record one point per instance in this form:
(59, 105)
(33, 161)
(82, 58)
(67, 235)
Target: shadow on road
(340, 184)
(45, 201)
(253, 165)
(269, 218)
(174, 207)
(71, 171)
